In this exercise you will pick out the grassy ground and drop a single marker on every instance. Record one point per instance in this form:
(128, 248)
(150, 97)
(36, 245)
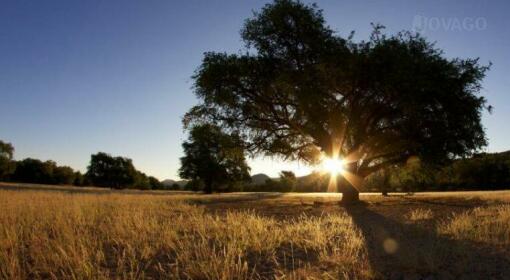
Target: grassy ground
(67, 233)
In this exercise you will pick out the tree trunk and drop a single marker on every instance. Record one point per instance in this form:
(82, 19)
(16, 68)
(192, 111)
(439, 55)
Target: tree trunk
(350, 194)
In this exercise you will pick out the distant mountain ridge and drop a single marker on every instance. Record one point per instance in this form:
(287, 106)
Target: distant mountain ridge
(259, 179)
(170, 182)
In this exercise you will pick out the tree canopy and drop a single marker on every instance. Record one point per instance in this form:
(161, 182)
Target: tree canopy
(6, 150)
(31, 170)
(213, 158)
(108, 171)
(300, 90)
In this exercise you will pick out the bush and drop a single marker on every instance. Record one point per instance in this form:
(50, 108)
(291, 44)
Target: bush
(34, 171)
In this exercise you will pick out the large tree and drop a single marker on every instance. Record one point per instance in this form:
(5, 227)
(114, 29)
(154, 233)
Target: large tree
(213, 158)
(300, 90)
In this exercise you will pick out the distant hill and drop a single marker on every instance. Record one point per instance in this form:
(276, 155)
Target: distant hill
(170, 182)
(259, 179)
(308, 179)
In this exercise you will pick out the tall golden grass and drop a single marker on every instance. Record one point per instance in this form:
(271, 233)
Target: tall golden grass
(50, 235)
(77, 236)
(489, 224)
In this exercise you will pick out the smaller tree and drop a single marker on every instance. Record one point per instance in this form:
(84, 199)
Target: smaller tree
(7, 165)
(114, 172)
(288, 181)
(213, 158)
(155, 184)
(63, 175)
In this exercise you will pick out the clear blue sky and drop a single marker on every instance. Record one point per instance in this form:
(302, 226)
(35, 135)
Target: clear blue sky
(78, 77)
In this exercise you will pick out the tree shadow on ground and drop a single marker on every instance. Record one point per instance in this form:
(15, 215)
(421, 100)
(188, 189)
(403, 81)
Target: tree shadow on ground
(406, 251)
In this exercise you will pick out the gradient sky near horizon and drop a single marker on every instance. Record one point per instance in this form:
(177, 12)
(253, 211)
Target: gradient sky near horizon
(78, 77)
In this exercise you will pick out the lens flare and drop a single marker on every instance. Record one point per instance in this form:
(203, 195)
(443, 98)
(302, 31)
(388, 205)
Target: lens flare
(334, 166)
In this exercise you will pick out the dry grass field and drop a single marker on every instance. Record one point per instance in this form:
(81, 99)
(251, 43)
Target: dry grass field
(70, 233)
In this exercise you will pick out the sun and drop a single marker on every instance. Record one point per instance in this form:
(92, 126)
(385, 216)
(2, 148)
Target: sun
(334, 166)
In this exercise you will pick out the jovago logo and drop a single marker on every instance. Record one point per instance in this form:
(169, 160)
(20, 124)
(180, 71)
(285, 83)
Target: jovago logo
(423, 23)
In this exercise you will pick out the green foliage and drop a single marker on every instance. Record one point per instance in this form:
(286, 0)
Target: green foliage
(483, 171)
(299, 89)
(413, 176)
(409, 177)
(213, 160)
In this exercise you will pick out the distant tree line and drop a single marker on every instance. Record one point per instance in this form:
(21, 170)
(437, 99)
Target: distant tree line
(209, 149)
(484, 171)
(104, 170)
